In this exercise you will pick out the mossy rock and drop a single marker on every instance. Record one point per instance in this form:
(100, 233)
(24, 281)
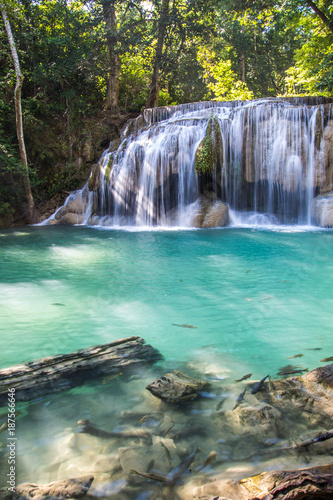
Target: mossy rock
(114, 145)
(209, 151)
(109, 168)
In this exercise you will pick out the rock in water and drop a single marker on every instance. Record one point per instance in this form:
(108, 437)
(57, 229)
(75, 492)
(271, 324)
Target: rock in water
(322, 209)
(211, 212)
(175, 386)
(67, 488)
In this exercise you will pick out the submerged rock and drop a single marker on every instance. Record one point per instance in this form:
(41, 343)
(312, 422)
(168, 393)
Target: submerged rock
(322, 209)
(310, 484)
(67, 488)
(211, 213)
(175, 386)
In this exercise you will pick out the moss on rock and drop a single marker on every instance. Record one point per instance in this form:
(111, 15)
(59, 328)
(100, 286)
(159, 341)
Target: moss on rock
(94, 177)
(208, 153)
(109, 168)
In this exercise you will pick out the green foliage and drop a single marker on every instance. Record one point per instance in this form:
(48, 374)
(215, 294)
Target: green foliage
(313, 69)
(213, 49)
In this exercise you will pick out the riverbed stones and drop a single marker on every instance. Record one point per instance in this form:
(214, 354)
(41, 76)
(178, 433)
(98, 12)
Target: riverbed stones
(67, 488)
(175, 386)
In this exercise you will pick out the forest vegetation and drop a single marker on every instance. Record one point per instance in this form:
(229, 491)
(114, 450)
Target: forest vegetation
(87, 66)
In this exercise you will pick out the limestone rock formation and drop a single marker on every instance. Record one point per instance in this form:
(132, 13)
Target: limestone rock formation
(211, 213)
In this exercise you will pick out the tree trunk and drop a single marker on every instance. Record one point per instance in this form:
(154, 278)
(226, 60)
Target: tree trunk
(242, 58)
(320, 14)
(32, 213)
(112, 96)
(152, 99)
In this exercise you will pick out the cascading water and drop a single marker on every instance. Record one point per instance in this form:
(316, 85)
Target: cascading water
(266, 160)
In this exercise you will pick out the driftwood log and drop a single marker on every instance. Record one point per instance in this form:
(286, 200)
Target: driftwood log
(59, 490)
(63, 371)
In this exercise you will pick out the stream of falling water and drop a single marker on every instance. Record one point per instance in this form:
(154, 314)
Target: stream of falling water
(269, 164)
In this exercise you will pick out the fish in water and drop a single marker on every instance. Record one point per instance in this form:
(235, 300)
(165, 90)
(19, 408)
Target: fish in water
(208, 460)
(315, 349)
(58, 304)
(291, 370)
(112, 377)
(220, 404)
(184, 325)
(326, 359)
(167, 453)
(246, 298)
(259, 385)
(239, 399)
(151, 475)
(182, 467)
(296, 356)
(150, 415)
(248, 375)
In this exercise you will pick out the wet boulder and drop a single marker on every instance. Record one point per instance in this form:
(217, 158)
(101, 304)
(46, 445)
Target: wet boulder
(209, 152)
(70, 219)
(257, 422)
(175, 387)
(211, 213)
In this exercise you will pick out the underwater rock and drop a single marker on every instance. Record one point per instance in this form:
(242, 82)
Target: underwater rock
(260, 421)
(67, 488)
(322, 209)
(211, 213)
(175, 386)
(63, 371)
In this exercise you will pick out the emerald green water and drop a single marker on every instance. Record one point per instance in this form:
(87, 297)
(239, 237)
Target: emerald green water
(255, 297)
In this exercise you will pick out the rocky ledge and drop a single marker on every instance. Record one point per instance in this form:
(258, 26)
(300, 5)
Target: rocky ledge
(61, 372)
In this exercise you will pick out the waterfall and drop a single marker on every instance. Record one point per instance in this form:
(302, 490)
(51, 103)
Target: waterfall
(264, 159)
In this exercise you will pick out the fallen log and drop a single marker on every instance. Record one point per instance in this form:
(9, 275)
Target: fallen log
(66, 488)
(63, 371)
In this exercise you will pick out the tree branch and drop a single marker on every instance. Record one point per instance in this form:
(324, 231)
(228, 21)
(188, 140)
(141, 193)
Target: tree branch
(320, 14)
